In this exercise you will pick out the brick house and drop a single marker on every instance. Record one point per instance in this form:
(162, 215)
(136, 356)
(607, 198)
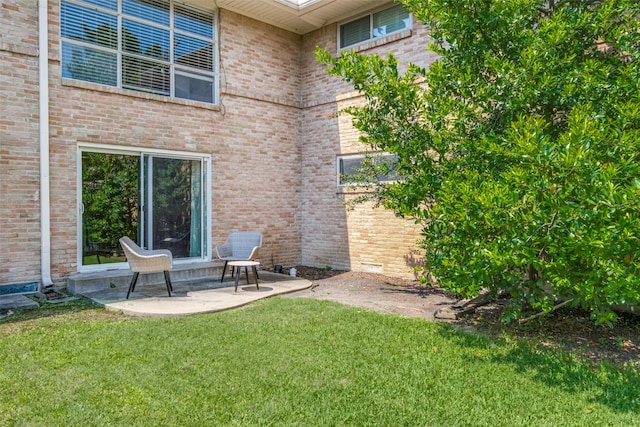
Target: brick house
(189, 119)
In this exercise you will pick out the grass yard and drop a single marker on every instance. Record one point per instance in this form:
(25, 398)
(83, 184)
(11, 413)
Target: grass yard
(294, 361)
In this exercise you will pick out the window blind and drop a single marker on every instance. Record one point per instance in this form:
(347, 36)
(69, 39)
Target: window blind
(157, 11)
(355, 31)
(374, 25)
(390, 20)
(147, 45)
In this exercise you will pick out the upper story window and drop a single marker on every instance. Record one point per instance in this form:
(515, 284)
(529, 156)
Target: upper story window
(355, 169)
(374, 25)
(157, 46)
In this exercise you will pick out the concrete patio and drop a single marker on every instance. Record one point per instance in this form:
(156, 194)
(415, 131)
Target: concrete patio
(194, 297)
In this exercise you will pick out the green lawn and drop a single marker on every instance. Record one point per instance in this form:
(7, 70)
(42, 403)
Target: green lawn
(286, 361)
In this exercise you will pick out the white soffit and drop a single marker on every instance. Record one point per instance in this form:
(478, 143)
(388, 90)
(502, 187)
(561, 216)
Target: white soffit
(298, 16)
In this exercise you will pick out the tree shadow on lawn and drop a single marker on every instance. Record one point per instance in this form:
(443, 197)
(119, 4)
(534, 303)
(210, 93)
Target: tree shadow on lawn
(12, 321)
(618, 386)
(569, 329)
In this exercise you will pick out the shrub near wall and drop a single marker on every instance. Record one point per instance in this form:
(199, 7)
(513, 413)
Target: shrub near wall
(367, 238)
(521, 158)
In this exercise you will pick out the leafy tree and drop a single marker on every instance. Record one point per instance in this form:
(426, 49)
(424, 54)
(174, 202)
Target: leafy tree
(519, 147)
(110, 197)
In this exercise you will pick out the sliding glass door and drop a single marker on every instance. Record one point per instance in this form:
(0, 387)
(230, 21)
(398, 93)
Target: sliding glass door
(156, 199)
(174, 216)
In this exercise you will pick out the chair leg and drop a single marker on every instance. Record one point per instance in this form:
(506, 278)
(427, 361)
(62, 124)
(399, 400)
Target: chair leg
(224, 270)
(132, 285)
(237, 276)
(255, 272)
(167, 279)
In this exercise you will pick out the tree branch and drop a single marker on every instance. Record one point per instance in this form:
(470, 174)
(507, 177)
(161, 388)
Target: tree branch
(562, 304)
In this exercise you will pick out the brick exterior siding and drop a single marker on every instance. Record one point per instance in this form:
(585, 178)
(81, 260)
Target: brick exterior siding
(367, 238)
(272, 142)
(19, 148)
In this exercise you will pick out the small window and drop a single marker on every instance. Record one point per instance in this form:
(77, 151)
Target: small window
(374, 25)
(353, 168)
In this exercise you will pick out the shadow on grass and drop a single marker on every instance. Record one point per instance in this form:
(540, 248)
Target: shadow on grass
(55, 309)
(616, 386)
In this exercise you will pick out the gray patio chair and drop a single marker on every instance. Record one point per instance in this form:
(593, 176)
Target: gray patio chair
(239, 246)
(147, 261)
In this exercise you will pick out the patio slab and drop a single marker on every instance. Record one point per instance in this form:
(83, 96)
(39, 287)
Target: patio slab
(191, 298)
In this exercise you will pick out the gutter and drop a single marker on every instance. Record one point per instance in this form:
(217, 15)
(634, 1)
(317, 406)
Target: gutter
(45, 213)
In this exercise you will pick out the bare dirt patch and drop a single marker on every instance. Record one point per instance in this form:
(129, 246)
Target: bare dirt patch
(567, 328)
(374, 291)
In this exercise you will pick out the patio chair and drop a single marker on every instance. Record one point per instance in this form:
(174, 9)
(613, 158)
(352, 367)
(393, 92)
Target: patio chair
(239, 246)
(147, 261)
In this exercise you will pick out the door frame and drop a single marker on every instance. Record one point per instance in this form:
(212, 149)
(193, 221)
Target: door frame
(140, 151)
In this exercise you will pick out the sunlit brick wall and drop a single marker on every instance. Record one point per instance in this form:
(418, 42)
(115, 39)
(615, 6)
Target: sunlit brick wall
(273, 140)
(19, 143)
(253, 138)
(367, 238)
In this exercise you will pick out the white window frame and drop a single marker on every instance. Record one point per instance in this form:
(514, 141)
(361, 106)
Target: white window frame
(371, 28)
(139, 151)
(360, 156)
(172, 63)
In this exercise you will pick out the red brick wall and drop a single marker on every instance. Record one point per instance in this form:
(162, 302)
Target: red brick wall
(257, 171)
(19, 146)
